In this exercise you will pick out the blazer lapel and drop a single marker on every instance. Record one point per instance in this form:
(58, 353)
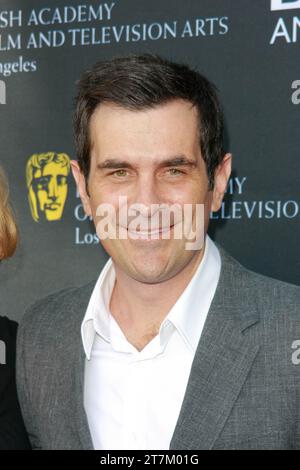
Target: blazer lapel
(221, 364)
(80, 422)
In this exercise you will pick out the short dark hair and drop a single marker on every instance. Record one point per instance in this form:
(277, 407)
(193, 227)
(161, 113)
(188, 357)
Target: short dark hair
(137, 82)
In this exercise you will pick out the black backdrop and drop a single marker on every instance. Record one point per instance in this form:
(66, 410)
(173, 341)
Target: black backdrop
(248, 48)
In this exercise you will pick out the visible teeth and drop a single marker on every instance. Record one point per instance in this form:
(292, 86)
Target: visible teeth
(143, 232)
(149, 233)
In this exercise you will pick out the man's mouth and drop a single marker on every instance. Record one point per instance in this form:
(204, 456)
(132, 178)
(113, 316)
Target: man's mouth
(148, 234)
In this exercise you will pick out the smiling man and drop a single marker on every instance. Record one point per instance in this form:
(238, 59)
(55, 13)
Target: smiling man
(172, 347)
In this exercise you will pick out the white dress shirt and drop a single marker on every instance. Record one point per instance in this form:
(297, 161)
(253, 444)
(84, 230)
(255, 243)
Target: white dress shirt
(133, 398)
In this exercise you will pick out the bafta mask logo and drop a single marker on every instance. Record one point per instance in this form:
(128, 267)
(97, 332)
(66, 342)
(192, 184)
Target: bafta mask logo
(46, 176)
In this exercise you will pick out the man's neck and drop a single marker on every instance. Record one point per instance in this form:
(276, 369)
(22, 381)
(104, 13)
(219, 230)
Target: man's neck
(139, 308)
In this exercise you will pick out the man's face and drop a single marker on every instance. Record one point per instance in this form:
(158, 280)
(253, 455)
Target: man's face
(151, 157)
(50, 186)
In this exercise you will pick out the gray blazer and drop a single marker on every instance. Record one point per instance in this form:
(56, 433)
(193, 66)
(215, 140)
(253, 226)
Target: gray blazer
(244, 387)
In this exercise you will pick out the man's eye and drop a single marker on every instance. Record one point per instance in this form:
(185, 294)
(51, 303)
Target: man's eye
(175, 171)
(120, 173)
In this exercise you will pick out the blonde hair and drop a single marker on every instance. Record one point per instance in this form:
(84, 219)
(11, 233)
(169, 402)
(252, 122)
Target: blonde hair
(8, 228)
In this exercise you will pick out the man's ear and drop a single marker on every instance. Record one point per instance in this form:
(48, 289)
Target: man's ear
(222, 174)
(81, 187)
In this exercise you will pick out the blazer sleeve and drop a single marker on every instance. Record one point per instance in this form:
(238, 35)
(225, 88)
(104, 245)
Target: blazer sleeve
(24, 373)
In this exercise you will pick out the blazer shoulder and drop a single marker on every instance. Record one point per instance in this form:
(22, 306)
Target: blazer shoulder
(273, 291)
(57, 310)
(272, 297)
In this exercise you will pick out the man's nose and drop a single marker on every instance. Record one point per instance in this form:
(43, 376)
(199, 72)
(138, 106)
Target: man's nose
(148, 194)
(147, 191)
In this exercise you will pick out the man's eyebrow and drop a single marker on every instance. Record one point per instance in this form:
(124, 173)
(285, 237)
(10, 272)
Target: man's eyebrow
(181, 160)
(178, 161)
(112, 163)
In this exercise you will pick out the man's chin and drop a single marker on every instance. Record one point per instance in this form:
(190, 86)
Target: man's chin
(149, 277)
(149, 271)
